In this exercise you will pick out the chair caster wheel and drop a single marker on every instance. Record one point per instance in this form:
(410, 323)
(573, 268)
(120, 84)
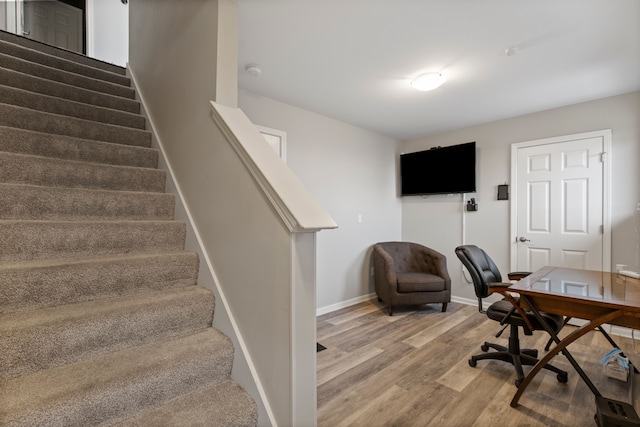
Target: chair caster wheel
(484, 348)
(473, 363)
(562, 378)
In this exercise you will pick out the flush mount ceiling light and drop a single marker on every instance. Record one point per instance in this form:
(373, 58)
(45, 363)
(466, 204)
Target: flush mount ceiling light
(511, 51)
(254, 70)
(428, 81)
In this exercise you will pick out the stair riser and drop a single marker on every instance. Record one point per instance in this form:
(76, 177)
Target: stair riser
(48, 73)
(63, 53)
(197, 406)
(49, 104)
(55, 337)
(48, 87)
(24, 118)
(27, 202)
(34, 170)
(62, 64)
(48, 284)
(121, 384)
(21, 141)
(26, 240)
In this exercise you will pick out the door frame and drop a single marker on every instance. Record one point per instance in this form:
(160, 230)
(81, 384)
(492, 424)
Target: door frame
(606, 136)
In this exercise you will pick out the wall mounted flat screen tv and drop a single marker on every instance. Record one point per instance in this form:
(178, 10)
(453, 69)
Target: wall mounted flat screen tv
(440, 170)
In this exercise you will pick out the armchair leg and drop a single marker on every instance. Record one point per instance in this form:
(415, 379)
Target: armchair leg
(444, 307)
(390, 310)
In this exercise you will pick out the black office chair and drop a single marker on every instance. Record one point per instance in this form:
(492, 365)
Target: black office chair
(487, 280)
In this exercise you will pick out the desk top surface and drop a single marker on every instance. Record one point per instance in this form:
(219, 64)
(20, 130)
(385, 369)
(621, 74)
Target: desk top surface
(584, 286)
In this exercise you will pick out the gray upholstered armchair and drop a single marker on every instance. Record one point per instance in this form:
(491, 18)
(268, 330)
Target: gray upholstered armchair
(409, 273)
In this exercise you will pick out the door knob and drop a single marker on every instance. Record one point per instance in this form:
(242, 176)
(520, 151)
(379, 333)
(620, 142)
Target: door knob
(523, 239)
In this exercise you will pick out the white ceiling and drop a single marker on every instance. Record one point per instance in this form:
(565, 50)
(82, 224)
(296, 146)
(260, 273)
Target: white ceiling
(352, 59)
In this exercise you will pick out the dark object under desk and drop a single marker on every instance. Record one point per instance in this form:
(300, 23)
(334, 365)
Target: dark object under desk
(599, 297)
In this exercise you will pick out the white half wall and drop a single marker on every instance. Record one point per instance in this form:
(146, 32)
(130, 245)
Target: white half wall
(437, 221)
(351, 172)
(108, 31)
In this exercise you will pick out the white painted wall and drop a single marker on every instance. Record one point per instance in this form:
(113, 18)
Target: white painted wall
(8, 15)
(350, 171)
(108, 31)
(3, 15)
(436, 221)
(261, 273)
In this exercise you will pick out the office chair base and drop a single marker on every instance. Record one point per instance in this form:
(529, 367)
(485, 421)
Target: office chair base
(528, 351)
(517, 357)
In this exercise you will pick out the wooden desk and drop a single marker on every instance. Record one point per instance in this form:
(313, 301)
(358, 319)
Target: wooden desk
(591, 295)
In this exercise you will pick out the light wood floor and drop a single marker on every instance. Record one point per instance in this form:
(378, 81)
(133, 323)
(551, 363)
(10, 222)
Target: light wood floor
(412, 370)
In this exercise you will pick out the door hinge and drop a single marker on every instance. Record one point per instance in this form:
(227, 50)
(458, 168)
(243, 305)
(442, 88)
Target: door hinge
(603, 157)
(601, 229)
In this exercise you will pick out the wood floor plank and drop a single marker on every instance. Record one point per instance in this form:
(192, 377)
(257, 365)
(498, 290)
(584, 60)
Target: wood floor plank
(411, 369)
(460, 375)
(438, 329)
(336, 362)
(360, 373)
(349, 315)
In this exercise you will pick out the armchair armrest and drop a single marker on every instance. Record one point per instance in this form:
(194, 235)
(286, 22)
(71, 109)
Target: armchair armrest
(384, 266)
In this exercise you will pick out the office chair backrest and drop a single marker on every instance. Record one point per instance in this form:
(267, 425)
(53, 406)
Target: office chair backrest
(482, 269)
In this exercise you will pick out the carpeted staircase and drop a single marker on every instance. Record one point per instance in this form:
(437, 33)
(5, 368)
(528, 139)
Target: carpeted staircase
(102, 321)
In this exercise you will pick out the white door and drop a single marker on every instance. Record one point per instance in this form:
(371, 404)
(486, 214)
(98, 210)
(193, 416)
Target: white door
(54, 23)
(560, 203)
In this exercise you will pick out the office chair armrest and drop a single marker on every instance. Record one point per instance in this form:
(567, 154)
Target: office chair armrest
(499, 285)
(517, 275)
(502, 290)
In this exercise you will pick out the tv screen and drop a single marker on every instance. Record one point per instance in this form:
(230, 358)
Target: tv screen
(440, 170)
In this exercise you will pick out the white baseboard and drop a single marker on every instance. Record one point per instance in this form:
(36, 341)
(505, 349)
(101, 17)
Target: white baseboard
(353, 301)
(465, 301)
(613, 330)
(342, 304)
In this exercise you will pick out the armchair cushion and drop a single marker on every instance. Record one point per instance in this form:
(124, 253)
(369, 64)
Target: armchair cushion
(419, 282)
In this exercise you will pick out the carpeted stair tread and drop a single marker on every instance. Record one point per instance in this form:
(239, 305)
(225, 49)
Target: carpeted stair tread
(102, 320)
(55, 75)
(23, 240)
(43, 86)
(31, 202)
(116, 386)
(65, 107)
(37, 170)
(63, 53)
(50, 282)
(40, 339)
(62, 64)
(224, 404)
(22, 141)
(26, 118)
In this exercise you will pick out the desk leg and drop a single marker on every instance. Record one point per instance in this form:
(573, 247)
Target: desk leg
(560, 346)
